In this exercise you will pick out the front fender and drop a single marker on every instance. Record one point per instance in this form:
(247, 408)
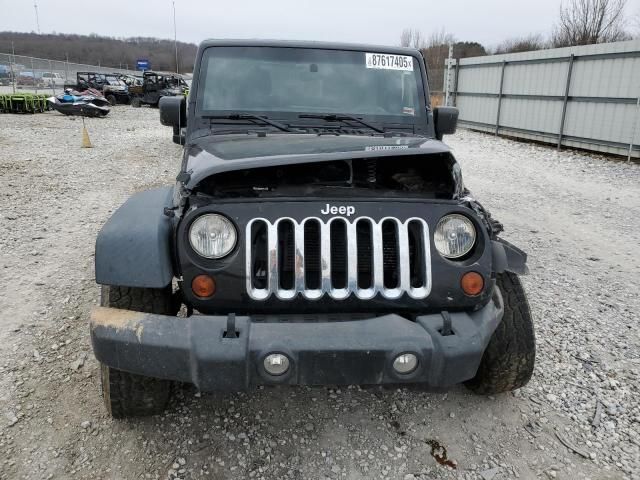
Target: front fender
(133, 249)
(508, 257)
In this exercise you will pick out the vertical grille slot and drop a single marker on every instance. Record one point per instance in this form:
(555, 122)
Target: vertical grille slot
(364, 242)
(390, 263)
(259, 256)
(338, 258)
(338, 230)
(416, 255)
(286, 255)
(312, 266)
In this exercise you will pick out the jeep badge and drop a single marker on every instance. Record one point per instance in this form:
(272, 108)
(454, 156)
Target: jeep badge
(347, 210)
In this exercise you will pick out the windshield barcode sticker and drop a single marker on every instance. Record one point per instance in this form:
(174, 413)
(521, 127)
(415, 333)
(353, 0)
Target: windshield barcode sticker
(386, 61)
(379, 148)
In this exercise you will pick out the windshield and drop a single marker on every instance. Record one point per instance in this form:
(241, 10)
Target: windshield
(114, 81)
(285, 81)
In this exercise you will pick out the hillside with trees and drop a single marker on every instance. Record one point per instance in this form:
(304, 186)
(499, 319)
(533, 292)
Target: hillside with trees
(98, 50)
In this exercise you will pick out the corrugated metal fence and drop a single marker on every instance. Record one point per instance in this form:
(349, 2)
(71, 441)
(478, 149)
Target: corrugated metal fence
(585, 97)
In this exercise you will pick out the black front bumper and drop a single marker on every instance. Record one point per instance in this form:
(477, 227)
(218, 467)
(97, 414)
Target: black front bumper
(195, 349)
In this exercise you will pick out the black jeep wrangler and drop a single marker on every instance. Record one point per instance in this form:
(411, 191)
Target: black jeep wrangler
(319, 232)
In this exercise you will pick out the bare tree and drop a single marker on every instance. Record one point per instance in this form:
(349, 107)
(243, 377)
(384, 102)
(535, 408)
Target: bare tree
(405, 37)
(435, 49)
(521, 44)
(635, 25)
(412, 38)
(585, 22)
(435, 53)
(439, 38)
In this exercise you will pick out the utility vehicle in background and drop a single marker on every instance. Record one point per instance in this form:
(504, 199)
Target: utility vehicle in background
(156, 85)
(110, 85)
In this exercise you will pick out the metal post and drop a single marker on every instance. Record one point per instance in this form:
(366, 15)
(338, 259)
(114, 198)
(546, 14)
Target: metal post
(66, 73)
(35, 6)
(13, 72)
(455, 85)
(633, 129)
(53, 83)
(33, 71)
(566, 99)
(504, 64)
(447, 94)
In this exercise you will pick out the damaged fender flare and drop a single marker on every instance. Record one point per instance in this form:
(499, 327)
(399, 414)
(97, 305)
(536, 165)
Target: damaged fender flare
(133, 247)
(508, 258)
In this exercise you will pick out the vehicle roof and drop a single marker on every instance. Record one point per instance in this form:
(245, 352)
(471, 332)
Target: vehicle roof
(308, 44)
(164, 74)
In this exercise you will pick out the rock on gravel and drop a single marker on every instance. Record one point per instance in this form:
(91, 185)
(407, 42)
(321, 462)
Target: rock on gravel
(566, 209)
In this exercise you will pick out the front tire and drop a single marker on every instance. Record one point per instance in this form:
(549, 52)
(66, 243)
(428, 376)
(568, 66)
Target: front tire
(509, 359)
(126, 394)
(112, 100)
(129, 395)
(136, 102)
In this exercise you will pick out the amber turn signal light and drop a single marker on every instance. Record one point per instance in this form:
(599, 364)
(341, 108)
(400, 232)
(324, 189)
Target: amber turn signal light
(203, 286)
(472, 283)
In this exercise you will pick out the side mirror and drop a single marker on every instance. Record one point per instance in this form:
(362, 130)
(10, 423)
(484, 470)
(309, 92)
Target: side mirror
(173, 113)
(445, 120)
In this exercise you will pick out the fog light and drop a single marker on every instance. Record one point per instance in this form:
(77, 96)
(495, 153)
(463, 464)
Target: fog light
(405, 363)
(276, 364)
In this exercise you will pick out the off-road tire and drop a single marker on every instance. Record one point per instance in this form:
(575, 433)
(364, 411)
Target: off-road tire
(113, 101)
(126, 394)
(509, 359)
(136, 102)
(129, 395)
(148, 300)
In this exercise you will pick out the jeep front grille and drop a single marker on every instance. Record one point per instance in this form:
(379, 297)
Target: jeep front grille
(338, 257)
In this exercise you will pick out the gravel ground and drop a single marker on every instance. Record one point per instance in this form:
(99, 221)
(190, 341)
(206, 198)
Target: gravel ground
(577, 215)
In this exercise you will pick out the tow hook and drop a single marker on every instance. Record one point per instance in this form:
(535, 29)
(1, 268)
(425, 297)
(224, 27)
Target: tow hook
(231, 331)
(446, 324)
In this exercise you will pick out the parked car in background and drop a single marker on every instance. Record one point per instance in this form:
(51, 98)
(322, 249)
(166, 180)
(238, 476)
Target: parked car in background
(30, 79)
(6, 75)
(53, 79)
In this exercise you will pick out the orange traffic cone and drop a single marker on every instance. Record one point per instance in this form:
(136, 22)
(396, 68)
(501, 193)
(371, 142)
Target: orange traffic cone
(86, 143)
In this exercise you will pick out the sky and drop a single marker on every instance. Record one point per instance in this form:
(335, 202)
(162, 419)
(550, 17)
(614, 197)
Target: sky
(368, 21)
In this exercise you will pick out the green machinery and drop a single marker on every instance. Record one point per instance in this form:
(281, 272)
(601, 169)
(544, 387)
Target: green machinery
(23, 103)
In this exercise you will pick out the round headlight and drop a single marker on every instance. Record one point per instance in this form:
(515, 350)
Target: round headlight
(212, 236)
(455, 236)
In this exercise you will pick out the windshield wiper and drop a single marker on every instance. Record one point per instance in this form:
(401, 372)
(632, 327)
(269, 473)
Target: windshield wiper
(341, 117)
(251, 117)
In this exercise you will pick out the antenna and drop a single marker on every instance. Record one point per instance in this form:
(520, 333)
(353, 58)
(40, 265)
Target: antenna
(35, 6)
(175, 34)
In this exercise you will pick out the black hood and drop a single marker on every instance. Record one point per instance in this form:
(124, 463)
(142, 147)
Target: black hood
(209, 155)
